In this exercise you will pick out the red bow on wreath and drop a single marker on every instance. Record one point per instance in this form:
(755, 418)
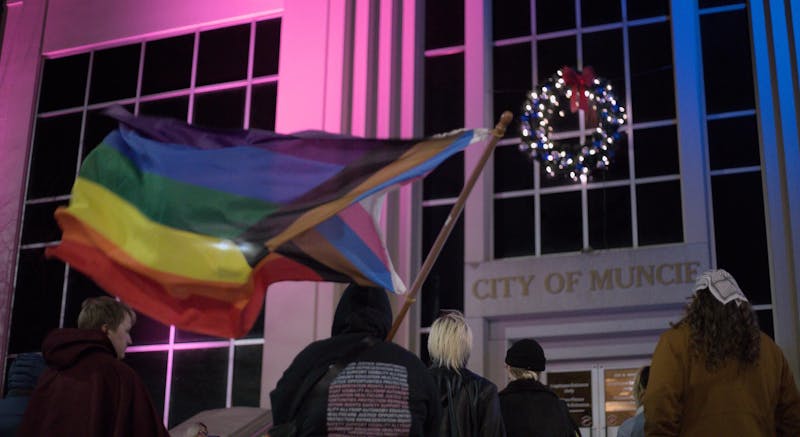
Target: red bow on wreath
(578, 83)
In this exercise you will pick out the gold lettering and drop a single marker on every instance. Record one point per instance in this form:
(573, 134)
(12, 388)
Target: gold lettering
(560, 281)
(660, 276)
(603, 282)
(505, 281)
(526, 285)
(572, 280)
(691, 271)
(476, 292)
(678, 273)
(646, 272)
(618, 277)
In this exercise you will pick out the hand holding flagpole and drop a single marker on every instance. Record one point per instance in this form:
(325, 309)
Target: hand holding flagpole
(498, 133)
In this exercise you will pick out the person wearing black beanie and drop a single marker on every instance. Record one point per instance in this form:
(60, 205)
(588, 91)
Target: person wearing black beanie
(529, 407)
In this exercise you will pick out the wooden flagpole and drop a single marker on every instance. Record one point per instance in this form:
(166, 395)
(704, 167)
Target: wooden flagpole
(498, 133)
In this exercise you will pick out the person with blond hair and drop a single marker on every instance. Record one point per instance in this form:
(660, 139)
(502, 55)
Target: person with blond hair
(87, 390)
(470, 406)
(530, 408)
(714, 373)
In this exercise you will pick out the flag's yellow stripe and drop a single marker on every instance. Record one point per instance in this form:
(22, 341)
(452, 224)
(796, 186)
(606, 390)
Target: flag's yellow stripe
(154, 245)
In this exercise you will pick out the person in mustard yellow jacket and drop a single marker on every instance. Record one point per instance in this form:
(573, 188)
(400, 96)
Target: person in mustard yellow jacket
(716, 374)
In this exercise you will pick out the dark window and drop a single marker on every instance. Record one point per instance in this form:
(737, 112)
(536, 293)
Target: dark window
(651, 64)
(247, 376)
(167, 64)
(79, 288)
(98, 126)
(268, 41)
(512, 81)
(444, 287)
(713, 3)
(63, 82)
(510, 18)
(740, 232)
(199, 378)
(561, 222)
(54, 157)
(513, 170)
(149, 331)
(553, 54)
(257, 331)
(152, 368)
(733, 142)
(37, 300)
(446, 180)
(610, 218)
(423, 349)
(647, 8)
(182, 336)
(222, 109)
(727, 66)
(114, 73)
(175, 107)
(39, 225)
(618, 156)
(603, 51)
(513, 227)
(444, 93)
(766, 322)
(552, 15)
(594, 12)
(444, 23)
(656, 151)
(262, 106)
(659, 214)
(222, 55)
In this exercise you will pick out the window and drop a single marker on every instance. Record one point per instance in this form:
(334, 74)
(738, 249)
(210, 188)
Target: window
(222, 77)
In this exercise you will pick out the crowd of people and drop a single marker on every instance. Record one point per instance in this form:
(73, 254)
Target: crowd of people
(712, 373)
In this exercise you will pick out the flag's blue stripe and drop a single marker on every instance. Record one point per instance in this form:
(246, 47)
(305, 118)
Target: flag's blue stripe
(244, 170)
(352, 247)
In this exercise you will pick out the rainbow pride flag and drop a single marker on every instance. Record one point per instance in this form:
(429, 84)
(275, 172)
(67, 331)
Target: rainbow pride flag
(190, 226)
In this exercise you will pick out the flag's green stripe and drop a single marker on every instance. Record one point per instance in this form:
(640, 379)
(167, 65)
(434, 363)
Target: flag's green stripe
(172, 203)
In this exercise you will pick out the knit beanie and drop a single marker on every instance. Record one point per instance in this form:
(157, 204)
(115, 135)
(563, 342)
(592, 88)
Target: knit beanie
(526, 354)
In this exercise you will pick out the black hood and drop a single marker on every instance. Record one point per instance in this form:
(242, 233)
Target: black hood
(363, 310)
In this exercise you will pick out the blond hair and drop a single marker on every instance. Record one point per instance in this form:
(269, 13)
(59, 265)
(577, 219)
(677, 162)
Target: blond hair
(104, 310)
(516, 373)
(450, 341)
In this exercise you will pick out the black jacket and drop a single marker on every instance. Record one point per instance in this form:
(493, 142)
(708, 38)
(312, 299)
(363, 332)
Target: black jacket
(386, 384)
(530, 409)
(476, 408)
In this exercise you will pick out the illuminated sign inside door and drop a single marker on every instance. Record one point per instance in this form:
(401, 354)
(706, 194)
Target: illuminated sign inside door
(620, 404)
(574, 388)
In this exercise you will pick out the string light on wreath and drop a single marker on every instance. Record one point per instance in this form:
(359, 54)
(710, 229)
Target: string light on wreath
(579, 91)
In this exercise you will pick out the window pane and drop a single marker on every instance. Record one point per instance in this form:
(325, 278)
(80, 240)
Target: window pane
(604, 52)
(39, 225)
(444, 93)
(182, 336)
(222, 55)
(561, 222)
(594, 12)
(257, 331)
(221, 109)
(740, 232)
(619, 169)
(733, 142)
(267, 46)
(444, 23)
(152, 368)
(766, 322)
(552, 15)
(658, 213)
(262, 106)
(647, 8)
(651, 63)
(712, 3)
(727, 65)
(63, 82)
(552, 54)
(512, 81)
(510, 18)
(423, 349)
(167, 64)
(513, 170)
(446, 180)
(37, 300)
(55, 155)
(247, 376)
(514, 227)
(656, 151)
(114, 73)
(175, 107)
(98, 125)
(199, 381)
(610, 218)
(149, 331)
(444, 287)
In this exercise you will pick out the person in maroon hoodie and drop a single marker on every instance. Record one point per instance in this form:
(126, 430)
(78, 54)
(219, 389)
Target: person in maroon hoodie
(87, 390)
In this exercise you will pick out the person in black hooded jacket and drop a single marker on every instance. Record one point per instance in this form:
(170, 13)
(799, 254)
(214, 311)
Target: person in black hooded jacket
(381, 389)
(530, 409)
(470, 403)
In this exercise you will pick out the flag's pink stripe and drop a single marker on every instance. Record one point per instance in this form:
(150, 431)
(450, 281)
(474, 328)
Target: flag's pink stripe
(361, 222)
